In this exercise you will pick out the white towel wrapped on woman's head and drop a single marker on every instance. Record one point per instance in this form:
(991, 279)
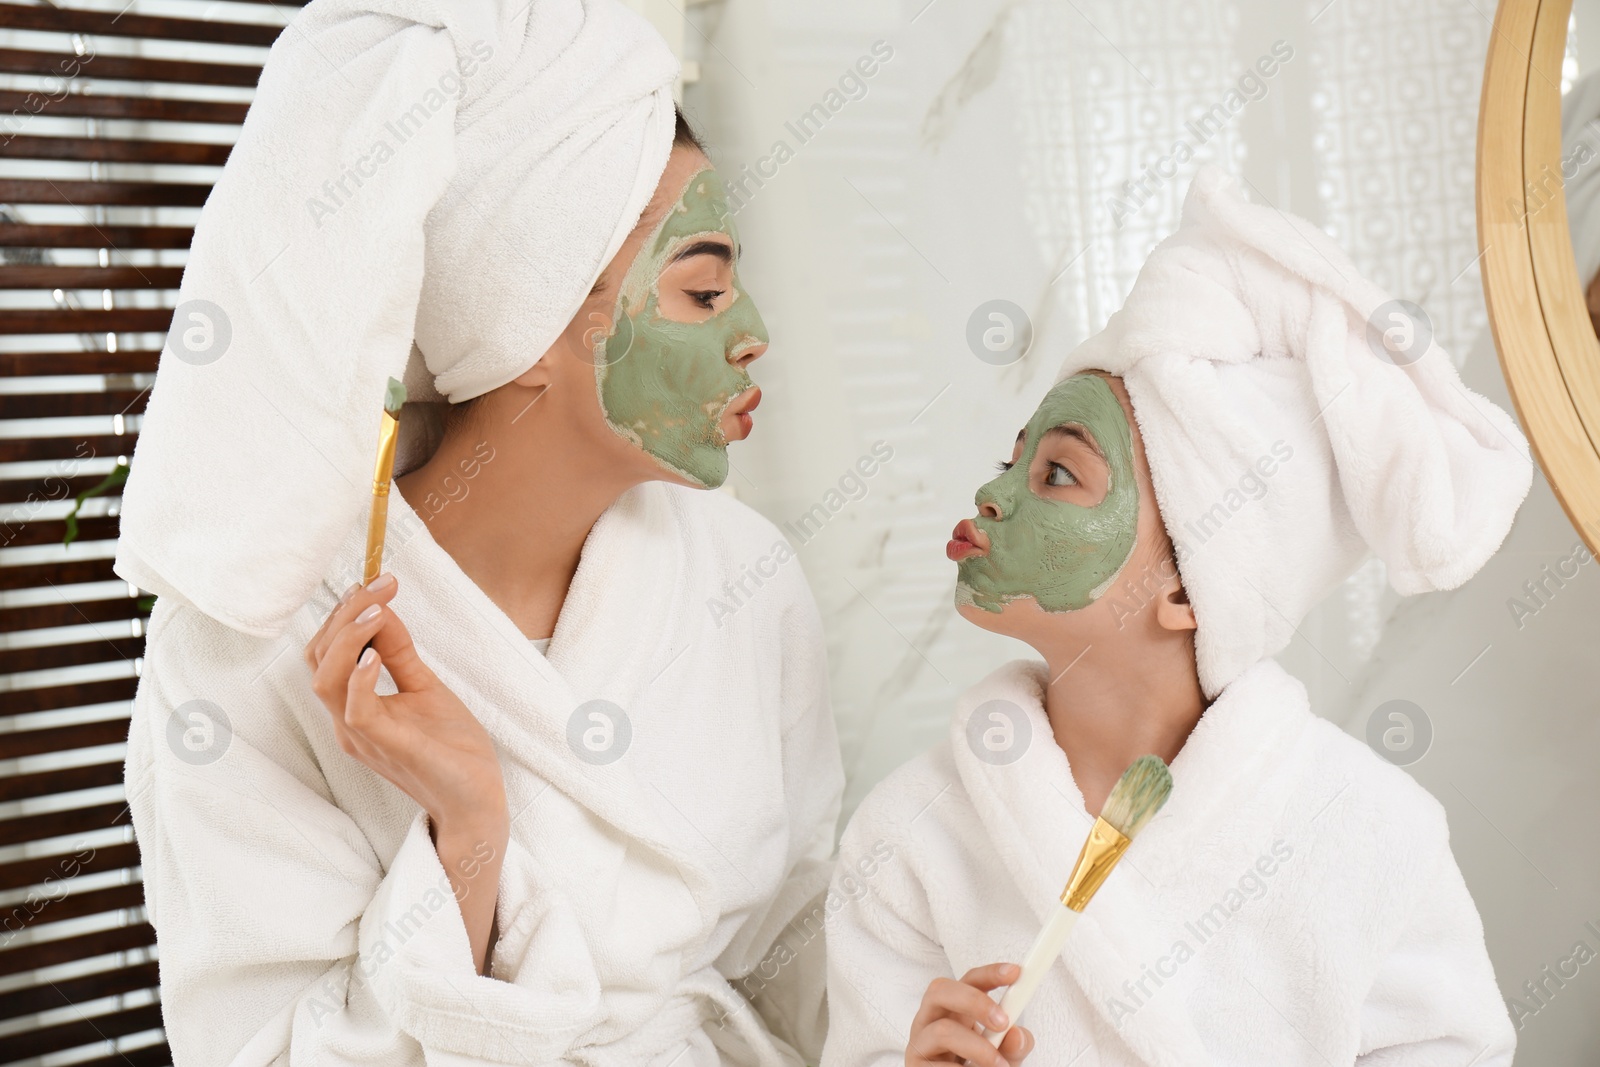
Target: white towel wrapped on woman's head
(1285, 439)
(451, 172)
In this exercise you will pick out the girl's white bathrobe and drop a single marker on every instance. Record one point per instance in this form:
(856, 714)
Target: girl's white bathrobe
(1295, 904)
(303, 915)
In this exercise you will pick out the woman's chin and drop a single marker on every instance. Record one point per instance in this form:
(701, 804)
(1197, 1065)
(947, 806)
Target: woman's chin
(708, 468)
(1000, 620)
(703, 480)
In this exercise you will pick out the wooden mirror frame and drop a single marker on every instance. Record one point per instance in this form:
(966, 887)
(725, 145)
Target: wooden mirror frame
(1537, 311)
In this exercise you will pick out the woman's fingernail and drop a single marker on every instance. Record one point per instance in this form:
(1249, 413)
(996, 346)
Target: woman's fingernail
(347, 592)
(369, 614)
(367, 657)
(381, 582)
(997, 1019)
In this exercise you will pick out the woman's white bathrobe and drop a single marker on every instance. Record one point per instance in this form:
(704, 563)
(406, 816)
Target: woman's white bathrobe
(1295, 904)
(304, 918)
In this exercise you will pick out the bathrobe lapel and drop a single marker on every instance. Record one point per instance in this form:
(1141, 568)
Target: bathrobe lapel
(1035, 816)
(627, 583)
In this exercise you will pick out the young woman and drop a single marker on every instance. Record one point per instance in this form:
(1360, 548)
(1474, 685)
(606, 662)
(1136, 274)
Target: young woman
(1204, 472)
(523, 798)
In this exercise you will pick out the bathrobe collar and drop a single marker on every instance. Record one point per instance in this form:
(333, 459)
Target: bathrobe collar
(1034, 813)
(531, 699)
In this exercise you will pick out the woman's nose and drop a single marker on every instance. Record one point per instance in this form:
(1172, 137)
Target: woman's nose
(989, 509)
(742, 358)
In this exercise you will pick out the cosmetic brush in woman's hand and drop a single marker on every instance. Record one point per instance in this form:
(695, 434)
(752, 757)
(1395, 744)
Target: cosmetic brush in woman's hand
(1138, 795)
(394, 398)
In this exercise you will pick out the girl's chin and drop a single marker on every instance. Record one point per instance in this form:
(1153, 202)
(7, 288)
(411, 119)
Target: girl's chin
(1021, 618)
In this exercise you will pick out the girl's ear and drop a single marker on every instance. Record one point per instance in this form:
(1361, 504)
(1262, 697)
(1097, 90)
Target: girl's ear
(1173, 610)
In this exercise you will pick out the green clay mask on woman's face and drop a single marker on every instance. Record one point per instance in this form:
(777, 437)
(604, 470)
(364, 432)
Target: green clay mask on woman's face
(1062, 554)
(665, 384)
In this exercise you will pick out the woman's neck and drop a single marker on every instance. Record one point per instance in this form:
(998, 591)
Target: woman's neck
(515, 523)
(1109, 709)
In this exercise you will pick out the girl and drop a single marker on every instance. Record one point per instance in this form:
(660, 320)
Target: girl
(1205, 471)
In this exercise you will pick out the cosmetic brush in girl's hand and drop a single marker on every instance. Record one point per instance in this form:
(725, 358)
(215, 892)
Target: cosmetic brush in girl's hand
(1138, 795)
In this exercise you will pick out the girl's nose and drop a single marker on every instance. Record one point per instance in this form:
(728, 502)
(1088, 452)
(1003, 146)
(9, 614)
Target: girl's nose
(989, 509)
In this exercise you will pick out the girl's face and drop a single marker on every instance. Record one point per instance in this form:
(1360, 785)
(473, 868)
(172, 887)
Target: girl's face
(671, 361)
(1060, 522)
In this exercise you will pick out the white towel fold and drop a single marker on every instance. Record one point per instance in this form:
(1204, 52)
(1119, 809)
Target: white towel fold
(1294, 904)
(455, 174)
(643, 918)
(1285, 439)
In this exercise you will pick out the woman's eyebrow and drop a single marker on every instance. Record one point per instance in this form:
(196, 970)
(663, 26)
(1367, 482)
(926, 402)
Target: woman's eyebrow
(704, 248)
(1077, 432)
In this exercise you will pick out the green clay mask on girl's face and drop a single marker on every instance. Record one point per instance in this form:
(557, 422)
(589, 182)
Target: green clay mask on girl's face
(665, 384)
(1062, 554)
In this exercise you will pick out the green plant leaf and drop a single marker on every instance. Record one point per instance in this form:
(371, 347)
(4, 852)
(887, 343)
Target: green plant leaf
(114, 480)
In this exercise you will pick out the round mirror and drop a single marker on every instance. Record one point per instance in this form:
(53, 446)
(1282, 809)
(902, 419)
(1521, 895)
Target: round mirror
(1539, 235)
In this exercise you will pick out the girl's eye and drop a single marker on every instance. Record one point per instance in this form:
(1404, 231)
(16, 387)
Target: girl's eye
(1004, 465)
(706, 298)
(1059, 476)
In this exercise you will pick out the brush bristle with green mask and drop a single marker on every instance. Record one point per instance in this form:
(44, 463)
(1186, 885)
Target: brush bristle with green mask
(1138, 795)
(1141, 791)
(394, 398)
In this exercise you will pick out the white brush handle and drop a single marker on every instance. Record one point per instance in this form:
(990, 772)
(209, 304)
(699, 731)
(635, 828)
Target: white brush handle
(1041, 957)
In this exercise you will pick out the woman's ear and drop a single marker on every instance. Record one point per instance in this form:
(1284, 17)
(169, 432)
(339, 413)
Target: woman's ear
(541, 374)
(1173, 610)
(584, 338)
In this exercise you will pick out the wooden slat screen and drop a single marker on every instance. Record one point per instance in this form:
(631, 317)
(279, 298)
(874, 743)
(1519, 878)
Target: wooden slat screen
(114, 120)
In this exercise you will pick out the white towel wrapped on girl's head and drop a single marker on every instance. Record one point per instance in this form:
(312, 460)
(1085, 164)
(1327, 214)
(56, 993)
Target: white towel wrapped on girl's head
(455, 173)
(1285, 439)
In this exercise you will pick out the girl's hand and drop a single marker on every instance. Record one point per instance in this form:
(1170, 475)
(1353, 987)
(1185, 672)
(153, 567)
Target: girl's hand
(423, 739)
(946, 1027)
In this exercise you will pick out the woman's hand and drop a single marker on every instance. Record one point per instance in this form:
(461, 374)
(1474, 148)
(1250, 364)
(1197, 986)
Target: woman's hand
(946, 1027)
(423, 739)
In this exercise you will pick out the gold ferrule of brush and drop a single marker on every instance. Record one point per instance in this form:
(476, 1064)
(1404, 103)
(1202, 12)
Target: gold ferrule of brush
(1100, 854)
(382, 474)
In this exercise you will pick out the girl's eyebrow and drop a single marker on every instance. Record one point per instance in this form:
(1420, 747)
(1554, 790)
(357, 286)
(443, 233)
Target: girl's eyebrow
(1077, 432)
(704, 248)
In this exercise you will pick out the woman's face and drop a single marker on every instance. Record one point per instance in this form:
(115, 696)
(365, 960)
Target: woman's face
(1060, 522)
(671, 360)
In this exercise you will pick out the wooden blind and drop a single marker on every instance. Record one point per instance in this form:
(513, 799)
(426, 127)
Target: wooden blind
(115, 118)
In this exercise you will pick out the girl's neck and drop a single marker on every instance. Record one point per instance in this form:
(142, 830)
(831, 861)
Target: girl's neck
(1106, 711)
(515, 523)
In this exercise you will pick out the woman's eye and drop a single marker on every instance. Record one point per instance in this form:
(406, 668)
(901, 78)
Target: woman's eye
(1059, 476)
(706, 298)
(1004, 465)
